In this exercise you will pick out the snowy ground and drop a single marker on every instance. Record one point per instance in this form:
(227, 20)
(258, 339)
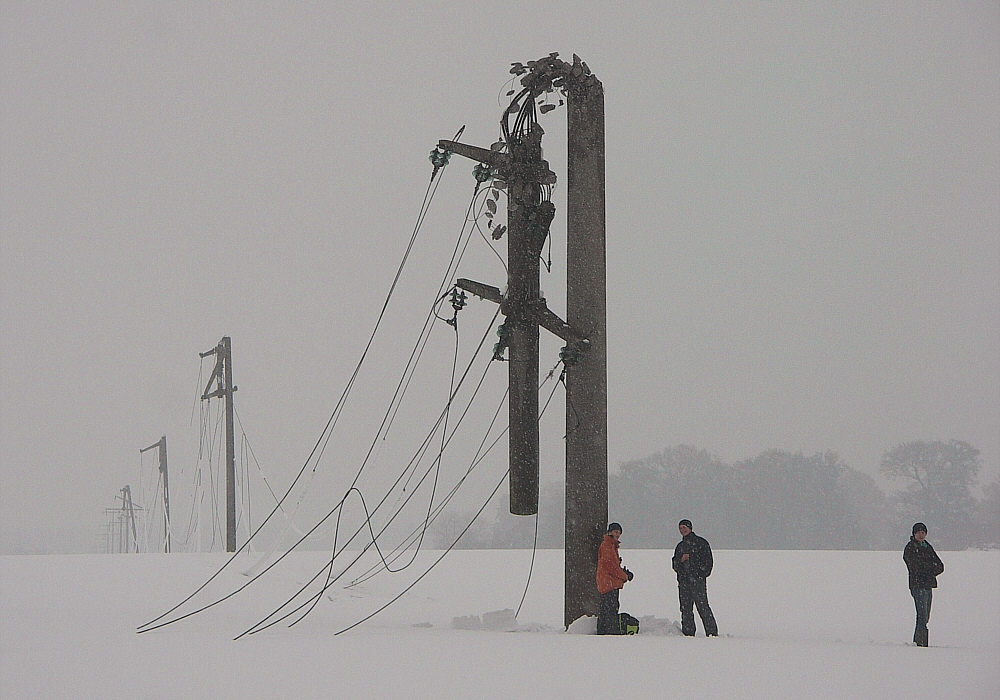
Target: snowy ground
(794, 625)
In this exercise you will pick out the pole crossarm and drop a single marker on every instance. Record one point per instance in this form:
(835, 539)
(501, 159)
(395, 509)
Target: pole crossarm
(217, 394)
(536, 172)
(494, 159)
(547, 319)
(483, 291)
(217, 375)
(538, 312)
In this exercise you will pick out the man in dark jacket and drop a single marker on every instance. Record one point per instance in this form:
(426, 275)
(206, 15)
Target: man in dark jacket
(924, 566)
(692, 561)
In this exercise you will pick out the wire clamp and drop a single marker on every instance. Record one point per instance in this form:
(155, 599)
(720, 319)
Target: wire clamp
(498, 348)
(438, 158)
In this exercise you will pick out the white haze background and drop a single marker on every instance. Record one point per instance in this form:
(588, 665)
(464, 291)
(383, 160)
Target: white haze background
(802, 254)
(802, 244)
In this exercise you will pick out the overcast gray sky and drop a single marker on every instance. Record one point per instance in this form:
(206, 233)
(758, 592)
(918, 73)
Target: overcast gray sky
(803, 206)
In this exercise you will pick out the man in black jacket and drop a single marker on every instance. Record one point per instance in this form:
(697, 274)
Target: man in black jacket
(924, 566)
(692, 561)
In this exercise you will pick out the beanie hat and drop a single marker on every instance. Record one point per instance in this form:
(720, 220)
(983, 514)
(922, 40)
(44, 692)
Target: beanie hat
(687, 522)
(614, 526)
(919, 527)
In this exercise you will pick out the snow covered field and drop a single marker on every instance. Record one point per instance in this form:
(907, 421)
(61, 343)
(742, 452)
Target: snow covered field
(794, 625)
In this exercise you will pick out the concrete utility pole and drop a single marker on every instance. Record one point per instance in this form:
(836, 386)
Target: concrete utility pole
(529, 214)
(222, 377)
(586, 310)
(162, 445)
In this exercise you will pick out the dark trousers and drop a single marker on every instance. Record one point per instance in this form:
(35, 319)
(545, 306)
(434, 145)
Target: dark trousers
(922, 602)
(694, 593)
(607, 614)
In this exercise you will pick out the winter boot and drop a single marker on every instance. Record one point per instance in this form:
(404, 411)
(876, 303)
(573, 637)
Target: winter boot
(920, 637)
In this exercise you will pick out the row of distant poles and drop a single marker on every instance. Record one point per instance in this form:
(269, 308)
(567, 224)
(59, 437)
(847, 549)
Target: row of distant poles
(123, 529)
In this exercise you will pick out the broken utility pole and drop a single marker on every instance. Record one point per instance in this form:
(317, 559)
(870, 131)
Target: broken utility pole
(222, 377)
(517, 161)
(528, 218)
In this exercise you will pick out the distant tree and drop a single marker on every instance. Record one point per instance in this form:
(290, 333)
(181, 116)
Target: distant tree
(938, 479)
(648, 496)
(867, 519)
(792, 501)
(777, 500)
(988, 517)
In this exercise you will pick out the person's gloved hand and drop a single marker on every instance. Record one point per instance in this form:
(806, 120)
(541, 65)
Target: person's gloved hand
(629, 574)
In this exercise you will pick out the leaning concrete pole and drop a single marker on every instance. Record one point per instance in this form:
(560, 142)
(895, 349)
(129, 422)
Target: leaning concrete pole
(528, 218)
(524, 246)
(587, 380)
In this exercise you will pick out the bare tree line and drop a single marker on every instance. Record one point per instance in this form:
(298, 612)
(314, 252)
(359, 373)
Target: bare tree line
(776, 500)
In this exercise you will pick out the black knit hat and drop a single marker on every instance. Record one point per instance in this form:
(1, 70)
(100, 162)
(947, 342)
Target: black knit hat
(919, 527)
(615, 526)
(687, 522)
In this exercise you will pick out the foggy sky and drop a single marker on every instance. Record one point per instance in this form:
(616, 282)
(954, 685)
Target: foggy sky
(803, 204)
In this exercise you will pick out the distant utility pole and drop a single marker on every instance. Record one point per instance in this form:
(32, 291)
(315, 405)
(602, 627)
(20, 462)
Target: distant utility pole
(222, 377)
(121, 525)
(518, 162)
(162, 445)
(128, 511)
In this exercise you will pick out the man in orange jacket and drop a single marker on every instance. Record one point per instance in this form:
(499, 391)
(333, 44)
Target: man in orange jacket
(611, 576)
